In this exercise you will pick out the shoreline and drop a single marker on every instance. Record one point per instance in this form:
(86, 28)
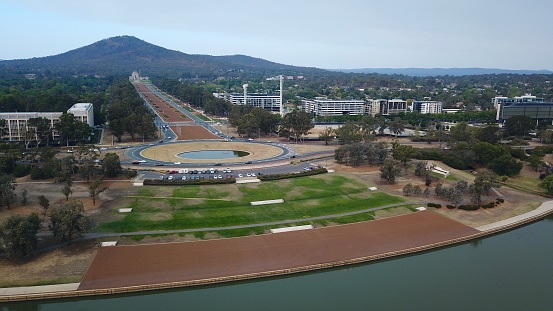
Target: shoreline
(72, 289)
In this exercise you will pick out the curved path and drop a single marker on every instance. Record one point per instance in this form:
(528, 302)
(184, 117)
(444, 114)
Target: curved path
(326, 243)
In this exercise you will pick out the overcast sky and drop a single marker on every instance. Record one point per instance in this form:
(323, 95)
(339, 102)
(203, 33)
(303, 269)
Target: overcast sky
(506, 34)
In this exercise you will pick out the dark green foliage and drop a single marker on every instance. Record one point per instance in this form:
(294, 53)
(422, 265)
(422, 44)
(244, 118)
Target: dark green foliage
(449, 206)
(505, 165)
(541, 150)
(519, 125)
(22, 170)
(68, 222)
(111, 165)
(390, 171)
(315, 171)
(20, 235)
(180, 182)
(362, 153)
(469, 207)
(7, 191)
(436, 205)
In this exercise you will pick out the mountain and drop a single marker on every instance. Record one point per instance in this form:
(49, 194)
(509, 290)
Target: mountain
(125, 54)
(433, 72)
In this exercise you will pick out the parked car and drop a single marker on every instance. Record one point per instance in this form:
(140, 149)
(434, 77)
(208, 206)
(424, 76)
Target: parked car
(249, 162)
(135, 162)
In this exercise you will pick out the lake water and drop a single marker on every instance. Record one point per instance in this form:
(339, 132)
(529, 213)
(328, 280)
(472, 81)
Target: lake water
(213, 154)
(509, 271)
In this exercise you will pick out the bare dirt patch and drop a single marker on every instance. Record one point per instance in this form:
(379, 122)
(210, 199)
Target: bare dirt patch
(64, 265)
(192, 132)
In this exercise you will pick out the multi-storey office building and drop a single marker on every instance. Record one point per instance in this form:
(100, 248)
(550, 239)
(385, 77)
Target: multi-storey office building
(16, 126)
(535, 110)
(393, 106)
(502, 100)
(426, 107)
(266, 101)
(329, 107)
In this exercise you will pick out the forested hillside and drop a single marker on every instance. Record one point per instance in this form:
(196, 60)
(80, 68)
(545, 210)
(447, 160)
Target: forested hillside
(125, 54)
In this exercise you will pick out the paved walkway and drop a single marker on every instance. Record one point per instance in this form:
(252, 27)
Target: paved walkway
(543, 208)
(38, 289)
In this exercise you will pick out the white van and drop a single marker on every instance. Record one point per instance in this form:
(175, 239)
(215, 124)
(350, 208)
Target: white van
(183, 171)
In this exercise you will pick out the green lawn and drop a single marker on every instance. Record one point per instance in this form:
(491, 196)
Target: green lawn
(190, 207)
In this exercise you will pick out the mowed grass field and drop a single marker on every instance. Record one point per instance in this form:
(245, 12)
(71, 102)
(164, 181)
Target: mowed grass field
(190, 207)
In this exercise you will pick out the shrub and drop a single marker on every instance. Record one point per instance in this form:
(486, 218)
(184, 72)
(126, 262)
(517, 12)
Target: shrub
(22, 170)
(292, 175)
(180, 182)
(469, 207)
(499, 200)
(436, 205)
(450, 206)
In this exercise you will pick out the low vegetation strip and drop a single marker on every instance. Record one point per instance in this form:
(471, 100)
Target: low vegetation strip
(303, 198)
(315, 171)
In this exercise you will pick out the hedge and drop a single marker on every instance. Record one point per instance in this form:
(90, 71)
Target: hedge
(436, 205)
(180, 182)
(292, 175)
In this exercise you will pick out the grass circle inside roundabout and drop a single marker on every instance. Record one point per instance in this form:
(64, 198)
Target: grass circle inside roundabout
(170, 152)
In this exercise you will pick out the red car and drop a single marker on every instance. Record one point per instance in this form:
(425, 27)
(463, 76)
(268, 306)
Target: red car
(136, 163)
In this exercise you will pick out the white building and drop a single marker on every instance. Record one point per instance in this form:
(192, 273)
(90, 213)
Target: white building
(17, 122)
(426, 107)
(83, 112)
(329, 107)
(266, 101)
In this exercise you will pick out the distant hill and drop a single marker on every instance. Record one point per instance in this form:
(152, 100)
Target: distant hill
(432, 72)
(124, 54)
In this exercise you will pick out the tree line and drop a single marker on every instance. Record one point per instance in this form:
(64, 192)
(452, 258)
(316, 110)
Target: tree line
(127, 113)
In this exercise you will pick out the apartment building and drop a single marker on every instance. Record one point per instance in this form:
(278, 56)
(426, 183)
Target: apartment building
(426, 107)
(331, 107)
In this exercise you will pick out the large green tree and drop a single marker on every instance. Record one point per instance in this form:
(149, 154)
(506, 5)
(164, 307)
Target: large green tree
(68, 221)
(390, 171)
(111, 165)
(20, 235)
(519, 125)
(296, 124)
(7, 191)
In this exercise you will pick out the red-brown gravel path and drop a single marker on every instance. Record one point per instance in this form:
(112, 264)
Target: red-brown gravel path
(123, 266)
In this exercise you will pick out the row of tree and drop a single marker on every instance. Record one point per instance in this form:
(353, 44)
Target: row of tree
(128, 114)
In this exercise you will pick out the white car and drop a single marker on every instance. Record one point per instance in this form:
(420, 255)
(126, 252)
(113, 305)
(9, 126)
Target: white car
(170, 177)
(177, 163)
(240, 175)
(228, 170)
(103, 149)
(142, 161)
(183, 177)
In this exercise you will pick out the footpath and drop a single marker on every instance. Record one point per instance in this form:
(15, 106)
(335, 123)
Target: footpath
(49, 291)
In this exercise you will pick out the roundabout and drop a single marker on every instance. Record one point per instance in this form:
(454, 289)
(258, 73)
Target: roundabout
(191, 153)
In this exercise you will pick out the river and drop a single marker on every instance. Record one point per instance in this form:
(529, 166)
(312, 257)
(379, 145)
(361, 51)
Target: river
(508, 271)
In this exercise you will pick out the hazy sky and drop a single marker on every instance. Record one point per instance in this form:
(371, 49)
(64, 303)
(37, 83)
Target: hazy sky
(507, 34)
